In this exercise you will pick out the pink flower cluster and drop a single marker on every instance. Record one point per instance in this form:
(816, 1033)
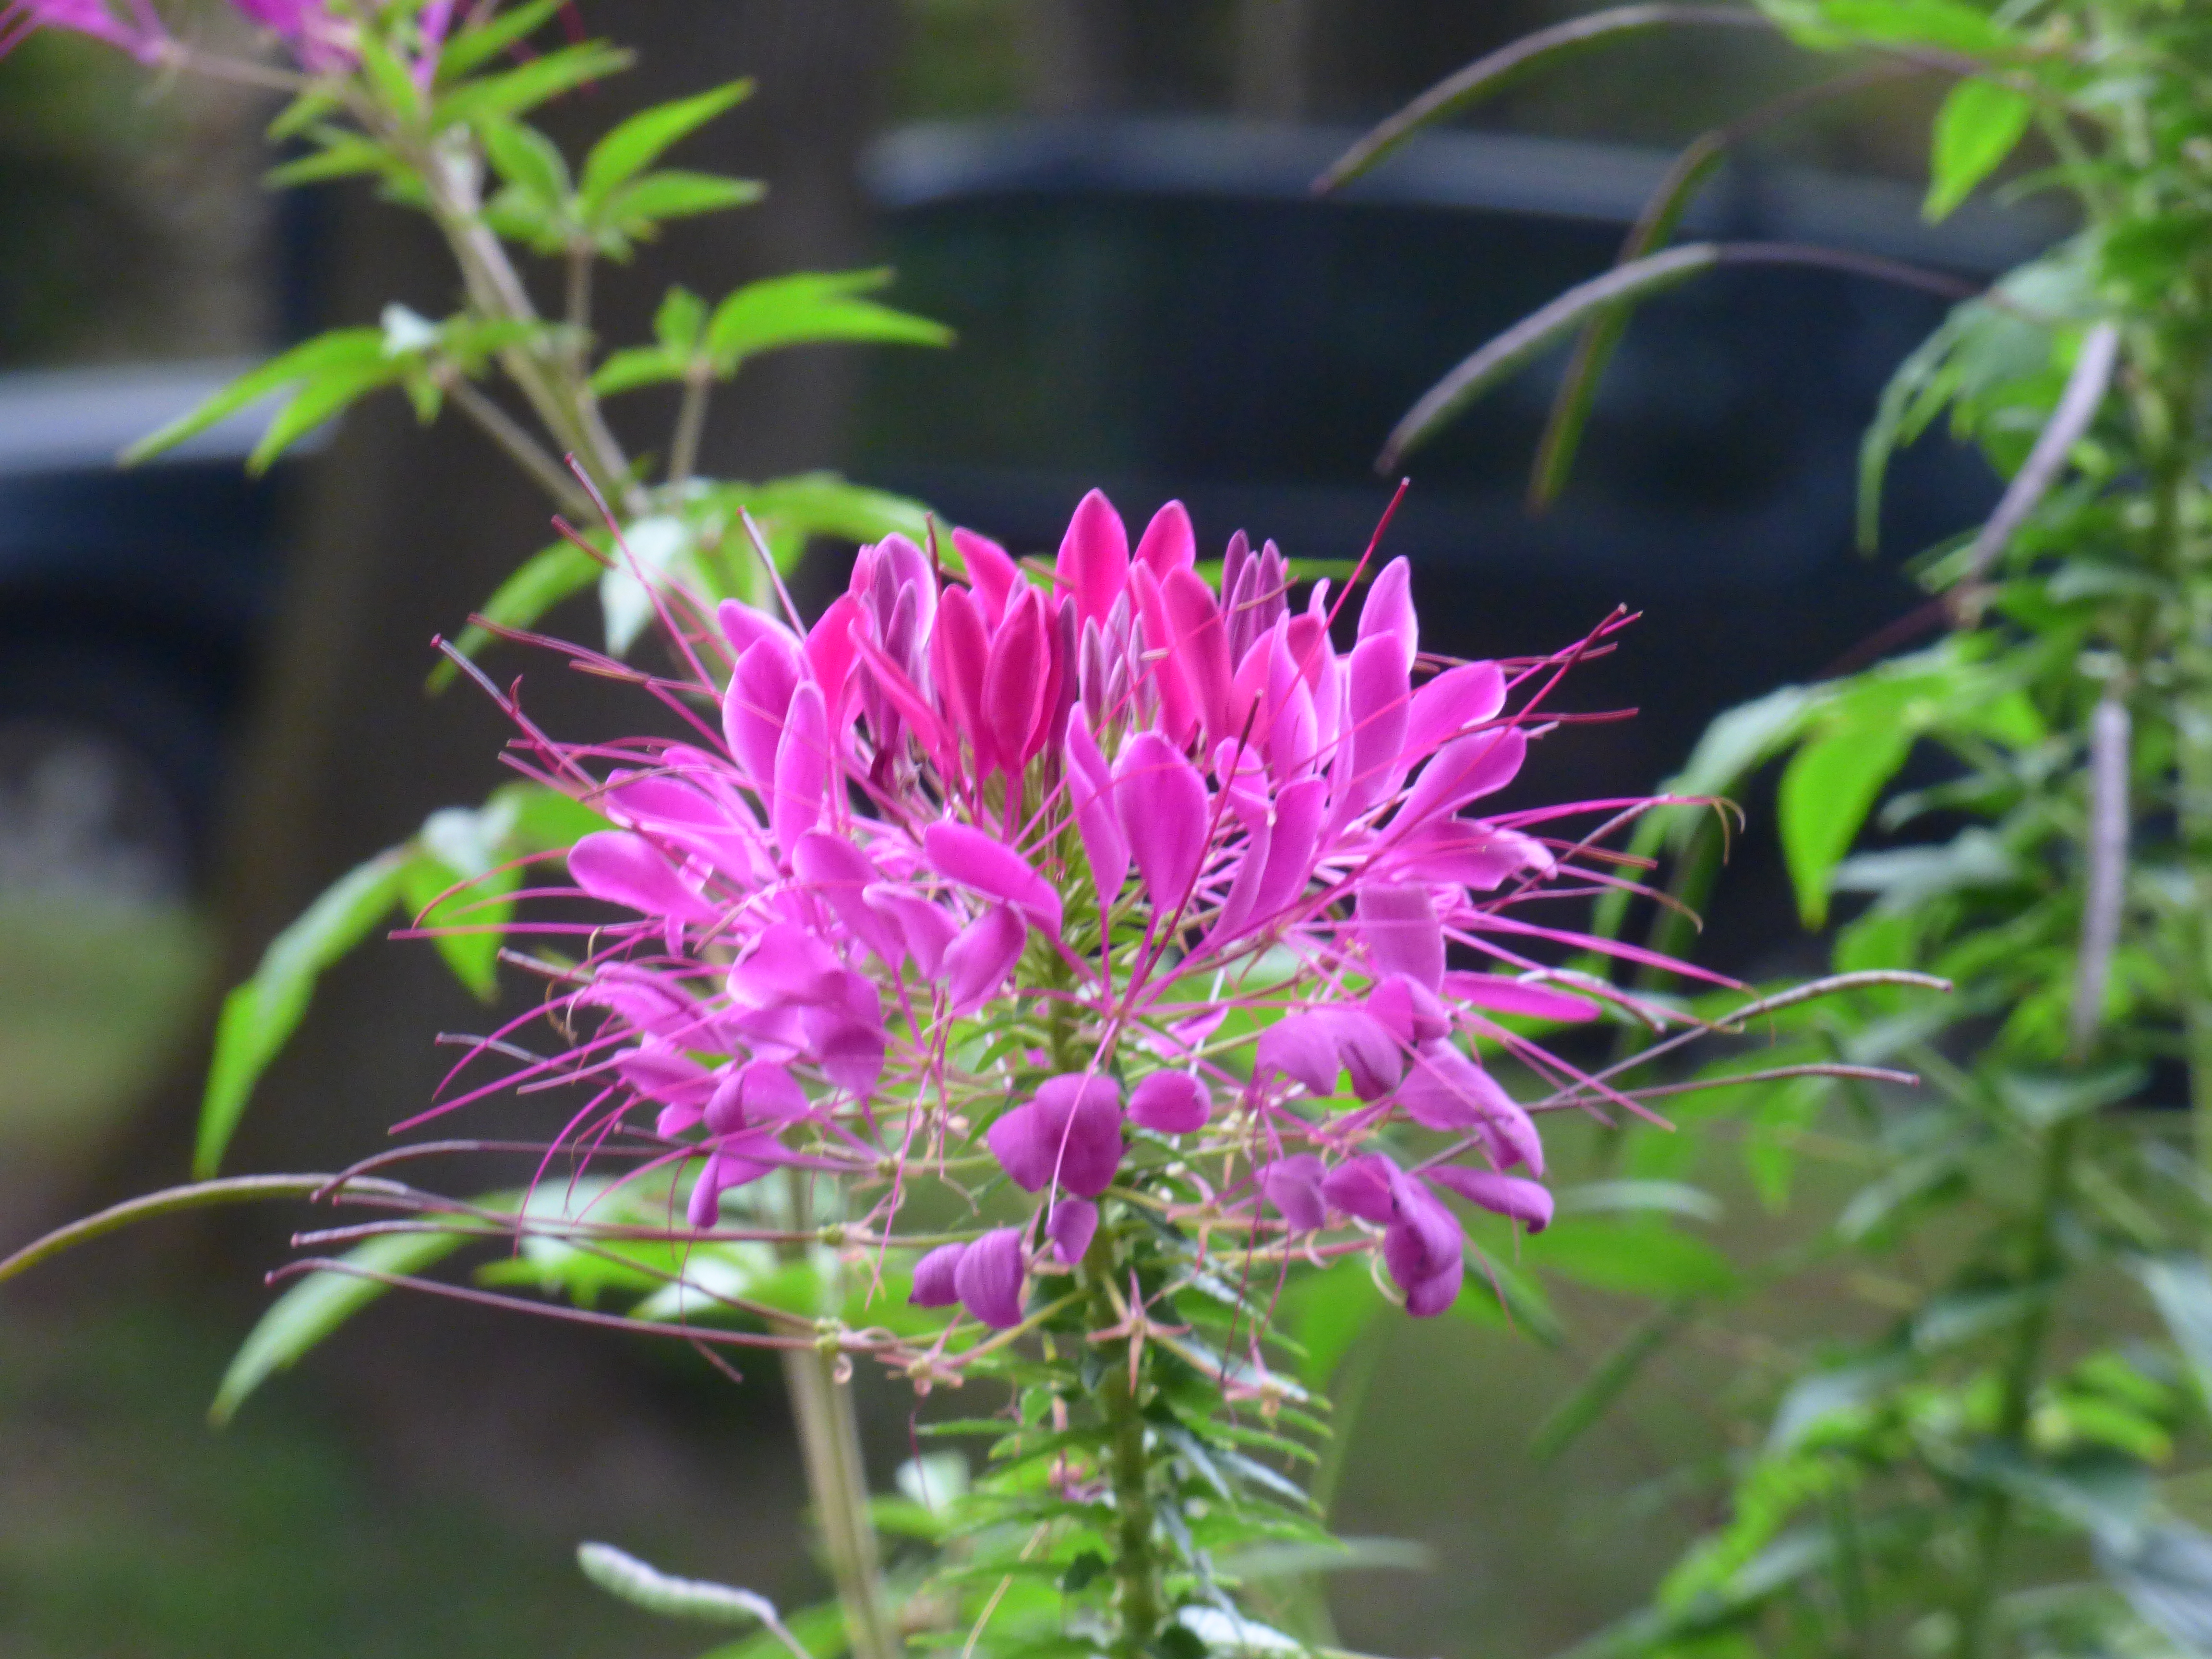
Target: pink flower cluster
(1128, 873)
(319, 39)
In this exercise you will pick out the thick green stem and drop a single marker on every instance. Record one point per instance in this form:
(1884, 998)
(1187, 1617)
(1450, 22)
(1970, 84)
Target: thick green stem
(829, 1440)
(1140, 1602)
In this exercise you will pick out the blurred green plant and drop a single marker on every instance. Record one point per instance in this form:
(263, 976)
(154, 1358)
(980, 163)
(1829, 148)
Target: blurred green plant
(1935, 1489)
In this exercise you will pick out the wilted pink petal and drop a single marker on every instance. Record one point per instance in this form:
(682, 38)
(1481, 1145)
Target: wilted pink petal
(1361, 1186)
(1408, 1011)
(1073, 1223)
(1451, 702)
(1161, 801)
(1172, 1102)
(935, 1276)
(1169, 542)
(1510, 1196)
(1510, 996)
(989, 1277)
(1388, 613)
(1462, 770)
(961, 853)
(802, 766)
(1298, 1046)
(628, 870)
(1094, 558)
(981, 958)
(1292, 1185)
(754, 706)
(1400, 927)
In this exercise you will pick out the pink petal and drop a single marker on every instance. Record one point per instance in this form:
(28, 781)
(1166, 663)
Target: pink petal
(1361, 1186)
(1463, 769)
(770, 1092)
(839, 873)
(1178, 709)
(1447, 1090)
(802, 766)
(744, 627)
(926, 929)
(1375, 688)
(1026, 1142)
(726, 1108)
(830, 650)
(983, 957)
(1091, 787)
(666, 1075)
(1292, 845)
(1169, 542)
(935, 1276)
(1451, 702)
(628, 870)
(1399, 927)
(992, 574)
(989, 1277)
(1425, 1250)
(1071, 1131)
(961, 853)
(1292, 1185)
(1073, 1225)
(1301, 1047)
(1510, 996)
(1014, 681)
(1470, 854)
(1510, 1196)
(788, 964)
(1161, 800)
(1094, 558)
(1201, 650)
(1172, 1102)
(1408, 1011)
(959, 654)
(1372, 1057)
(1388, 613)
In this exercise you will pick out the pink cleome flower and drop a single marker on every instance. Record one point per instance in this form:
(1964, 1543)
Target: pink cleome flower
(1110, 865)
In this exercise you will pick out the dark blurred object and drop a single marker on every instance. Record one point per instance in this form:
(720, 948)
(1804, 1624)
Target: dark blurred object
(129, 603)
(1161, 308)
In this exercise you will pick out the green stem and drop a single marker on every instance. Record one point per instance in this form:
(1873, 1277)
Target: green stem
(829, 1441)
(1140, 1602)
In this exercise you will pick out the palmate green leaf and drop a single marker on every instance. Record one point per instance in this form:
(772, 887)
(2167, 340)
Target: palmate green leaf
(259, 1016)
(639, 141)
(515, 92)
(1980, 124)
(338, 350)
(809, 308)
(322, 1302)
(473, 45)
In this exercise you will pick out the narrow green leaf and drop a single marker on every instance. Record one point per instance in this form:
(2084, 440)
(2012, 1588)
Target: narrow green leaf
(1827, 790)
(2181, 1288)
(338, 155)
(638, 143)
(259, 1016)
(526, 159)
(1980, 124)
(321, 400)
(1567, 1421)
(317, 103)
(319, 1305)
(634, 366)
(634, 208)
(1632, 1259)
(337, 348)
(1947, 24)
(1888, 427)
(680, 321)
(517, 91)
(807, 307)
(473, 919)
(1513, 350)
(477, 44)
(553, 574)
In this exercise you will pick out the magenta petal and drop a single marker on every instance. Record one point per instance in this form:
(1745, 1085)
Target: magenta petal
(769, 1091)
(1373, 1059)
(989, 1277)
(802, 766)
(1448, 705)
(1470, 854)
(1427, 1297)
(1172, 1102)
(851, 1055)
(1424, 1249)
(959, 654)
(725, 1106)
(743, 626)
(628, 870)
(1361, 1186)
(1292, 1185)
(1091, 787)
(1510, 1196)
(1094, 558)
(1293, 843)
(673, 1120)
(666, 1075)
(981, 959)
(991, 574)
(935, 1276)
(960, 853)
(1375, 684)
(1073, 1224)
(1201, 650)
(1447, 1090)
(754, 706)
(1299, 1046)
(1084, 1115)
(1462, 770)
(840, 873)
(1161, 800)
(1014, 681)
(1408, 1011)
(1026, 1143)
(1169, 542)
(1511, 996)
(787, 965)
(1400, 928)
(1162, 669)
(925, 928)
(1388, 613)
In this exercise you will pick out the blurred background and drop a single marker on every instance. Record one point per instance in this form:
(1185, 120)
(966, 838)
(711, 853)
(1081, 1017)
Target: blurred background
(211, 704)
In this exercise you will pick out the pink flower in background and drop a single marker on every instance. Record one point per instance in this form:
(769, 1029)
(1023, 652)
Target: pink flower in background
(132, 25)
(319, 39)
(978, 868)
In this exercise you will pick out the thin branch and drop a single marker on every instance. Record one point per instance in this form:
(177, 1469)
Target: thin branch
(175, 1201)
(690, 427)
(2107, 885)
(521, 448)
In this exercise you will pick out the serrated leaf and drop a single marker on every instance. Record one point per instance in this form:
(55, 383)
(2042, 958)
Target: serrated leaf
(259, 1016)
(337, 349)
(1980, 124)
(809, 307)
(638, 143)
(319, 1305)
